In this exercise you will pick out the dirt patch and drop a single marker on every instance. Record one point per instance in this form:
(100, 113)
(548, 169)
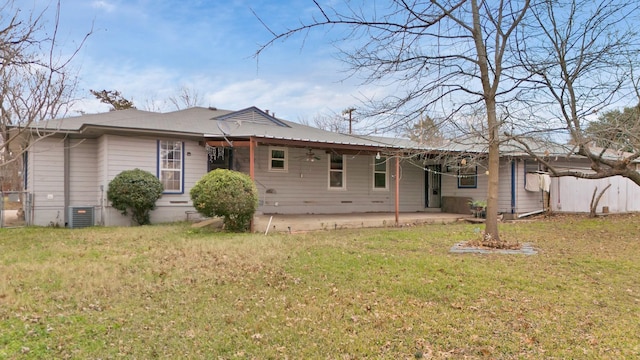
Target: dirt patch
(467, 248)
(493, 244)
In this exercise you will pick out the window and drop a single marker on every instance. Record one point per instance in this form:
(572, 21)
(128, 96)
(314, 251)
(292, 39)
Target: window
(468, 177)
(277, 159)
(380, 173)
(337, 172)
(171, 165)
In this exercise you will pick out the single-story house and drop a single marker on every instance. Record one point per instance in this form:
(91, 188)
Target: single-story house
(297, 169)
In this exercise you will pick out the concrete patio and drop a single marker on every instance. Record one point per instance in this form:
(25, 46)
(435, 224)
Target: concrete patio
(310, 222)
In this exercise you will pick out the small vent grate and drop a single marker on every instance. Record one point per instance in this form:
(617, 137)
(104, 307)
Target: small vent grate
(80, 216)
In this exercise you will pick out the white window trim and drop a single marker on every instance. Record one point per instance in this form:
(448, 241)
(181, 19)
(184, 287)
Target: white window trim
(386, 174)
(344, 174)
(286, 159)
(180, 170)
(470, 175)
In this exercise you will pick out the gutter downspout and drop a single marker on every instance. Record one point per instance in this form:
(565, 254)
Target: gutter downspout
(67, 172)
(513, 186)
(398, 190)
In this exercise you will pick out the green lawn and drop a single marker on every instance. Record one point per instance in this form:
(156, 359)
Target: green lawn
(172, 291)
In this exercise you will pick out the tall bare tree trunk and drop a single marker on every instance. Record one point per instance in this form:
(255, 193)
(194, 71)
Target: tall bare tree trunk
(491, 224)
(489, 90)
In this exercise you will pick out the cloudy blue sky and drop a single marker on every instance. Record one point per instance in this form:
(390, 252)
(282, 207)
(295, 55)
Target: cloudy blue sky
(150, 49)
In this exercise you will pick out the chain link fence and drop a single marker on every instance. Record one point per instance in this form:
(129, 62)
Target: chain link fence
(15, 209)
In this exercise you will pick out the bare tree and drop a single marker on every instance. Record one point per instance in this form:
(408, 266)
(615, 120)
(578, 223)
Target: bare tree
(447, 54)
(185, 99)
(35, 83)
(582, 61)
(329, 122)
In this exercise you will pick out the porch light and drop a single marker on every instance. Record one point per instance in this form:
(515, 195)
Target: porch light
(378, 156)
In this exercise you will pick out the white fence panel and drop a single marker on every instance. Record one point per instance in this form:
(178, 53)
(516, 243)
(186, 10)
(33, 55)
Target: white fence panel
(573, 195)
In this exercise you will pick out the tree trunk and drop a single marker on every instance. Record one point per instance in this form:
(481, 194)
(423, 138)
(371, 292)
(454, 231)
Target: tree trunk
(489, 91)
(491, 224)
(595, 200)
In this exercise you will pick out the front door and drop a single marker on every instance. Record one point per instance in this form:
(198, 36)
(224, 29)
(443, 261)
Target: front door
(432, 186)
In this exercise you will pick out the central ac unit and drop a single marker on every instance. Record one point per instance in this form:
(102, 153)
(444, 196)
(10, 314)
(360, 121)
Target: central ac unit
(81, 216)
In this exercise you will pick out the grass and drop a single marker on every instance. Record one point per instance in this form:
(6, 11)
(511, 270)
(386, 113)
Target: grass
(172, 291)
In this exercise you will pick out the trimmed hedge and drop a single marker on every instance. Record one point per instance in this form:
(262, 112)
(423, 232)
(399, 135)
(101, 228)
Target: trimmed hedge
(229, 194)
(136, 191)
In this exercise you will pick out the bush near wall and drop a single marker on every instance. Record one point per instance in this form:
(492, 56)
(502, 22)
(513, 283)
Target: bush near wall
(229, 194)
(135, 191)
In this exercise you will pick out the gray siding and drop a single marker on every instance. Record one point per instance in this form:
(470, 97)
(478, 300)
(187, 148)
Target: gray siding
(526, 201)
(83, 168)
(101, 177)
(412, 186)
(304, 187)
(120, 153)
(47, 181)
(504, 187)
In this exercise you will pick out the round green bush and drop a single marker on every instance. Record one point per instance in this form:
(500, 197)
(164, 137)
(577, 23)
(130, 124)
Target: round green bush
(229, 194)
(136, 191)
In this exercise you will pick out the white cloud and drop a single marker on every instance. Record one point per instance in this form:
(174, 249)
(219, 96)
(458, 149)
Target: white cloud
(291, 100)
(295, 99)
(150, 60)
(103, 5)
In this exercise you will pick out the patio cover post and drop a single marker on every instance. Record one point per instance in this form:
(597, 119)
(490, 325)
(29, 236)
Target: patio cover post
(252, 151)
(397, 189)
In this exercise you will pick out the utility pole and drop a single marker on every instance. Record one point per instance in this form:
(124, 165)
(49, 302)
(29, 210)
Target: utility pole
(349, 111)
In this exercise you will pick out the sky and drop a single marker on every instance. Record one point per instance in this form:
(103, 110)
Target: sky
(151, 49)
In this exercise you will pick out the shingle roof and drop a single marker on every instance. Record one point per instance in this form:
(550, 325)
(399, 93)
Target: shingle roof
(215, 123)
(212, 123)
(193, 120)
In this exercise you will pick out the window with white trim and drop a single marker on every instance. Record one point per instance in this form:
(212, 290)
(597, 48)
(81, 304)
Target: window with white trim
(380, 171)
(468, 177)
(337, 172)
(278, 159)
(171, 165)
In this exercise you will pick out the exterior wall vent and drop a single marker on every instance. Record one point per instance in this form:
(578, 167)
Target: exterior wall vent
(81, 216)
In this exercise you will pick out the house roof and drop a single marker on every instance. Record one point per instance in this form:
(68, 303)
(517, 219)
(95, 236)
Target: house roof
(212, 123)
(274, 130)
(193, 120)
(251, 122)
